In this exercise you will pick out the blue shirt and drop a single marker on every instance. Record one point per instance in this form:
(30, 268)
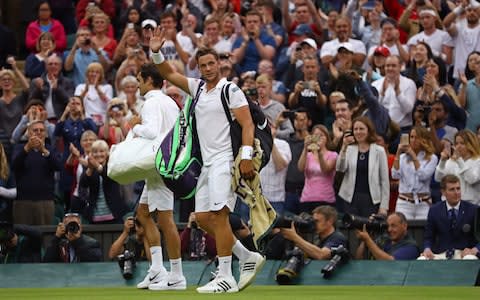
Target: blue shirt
(473, 105)
(72, 131)
(403, 250)
(80, 63)
(252, 57)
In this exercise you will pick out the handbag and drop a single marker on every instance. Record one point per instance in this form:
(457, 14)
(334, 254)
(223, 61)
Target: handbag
(179, 161)
(132, 160)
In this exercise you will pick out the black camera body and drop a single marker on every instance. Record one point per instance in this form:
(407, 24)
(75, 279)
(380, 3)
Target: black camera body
(72, 227)
(304, 222)
(295, 264)
(377, 223)
(127, 263)
(340, 255)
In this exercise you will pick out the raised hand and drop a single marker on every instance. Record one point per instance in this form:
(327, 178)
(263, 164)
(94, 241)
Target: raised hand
(157, 39)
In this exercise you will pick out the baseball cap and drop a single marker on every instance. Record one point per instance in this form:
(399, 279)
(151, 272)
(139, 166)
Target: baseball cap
(381, 50)
(309, 42)
(302, 29)
(149, 22)
(369, 5)
(347, 46)
(428, 12)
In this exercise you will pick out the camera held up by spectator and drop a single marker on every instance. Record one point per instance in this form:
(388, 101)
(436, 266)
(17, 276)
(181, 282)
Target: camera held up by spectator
(375, 223)
(304, 222)
(340, 255)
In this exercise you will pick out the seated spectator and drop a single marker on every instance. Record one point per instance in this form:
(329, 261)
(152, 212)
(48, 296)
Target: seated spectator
(52, 88)
(328, 236)
(11, 104)
(100, 23)
(130, 94)
(103, 203)
(365, 188)
(318, 165)
(305, 14)
(23, 244)
(196, 244)
(95, 93)
(34, 111)
(83, 53)
(397, 244)
(132, 239)
(274, 174)
(414, 165)
(45, 23)
(176, 94)
(449, 232)
(8, 190)
(34, 165)
(463, 160)
(129, 67)
(35, 61)
(76, 164)
(391, 39)
(116, 127)
(228, 29)
(70, 245)
(271, 108)
(376, 68)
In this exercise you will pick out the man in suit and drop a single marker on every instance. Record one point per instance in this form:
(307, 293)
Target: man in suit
(450, 225)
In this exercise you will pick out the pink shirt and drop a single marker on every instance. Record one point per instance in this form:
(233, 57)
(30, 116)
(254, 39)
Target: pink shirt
(318, 184)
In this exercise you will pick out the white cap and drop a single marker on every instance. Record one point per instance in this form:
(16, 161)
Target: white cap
(149, 22)
(309, 42)
(346, 45)
(428, 11)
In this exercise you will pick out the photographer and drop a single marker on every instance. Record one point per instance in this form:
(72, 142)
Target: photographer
(132, 239)
(325, 218)
(396, 245)
(19, 244)
(196, 244)
(69, 245)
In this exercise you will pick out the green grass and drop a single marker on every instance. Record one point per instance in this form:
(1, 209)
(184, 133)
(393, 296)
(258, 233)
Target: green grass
(256, 292)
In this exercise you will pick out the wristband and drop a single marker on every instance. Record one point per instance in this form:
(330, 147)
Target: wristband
(247, 152)
(157, 58)
(458, 10)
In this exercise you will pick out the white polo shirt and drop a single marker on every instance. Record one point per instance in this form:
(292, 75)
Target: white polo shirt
(213, 127)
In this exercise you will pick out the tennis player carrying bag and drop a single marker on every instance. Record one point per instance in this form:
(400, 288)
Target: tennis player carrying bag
(178, 159)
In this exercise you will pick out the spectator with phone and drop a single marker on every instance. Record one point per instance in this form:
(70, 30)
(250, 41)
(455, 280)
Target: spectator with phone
(129, 44)
(414, 166)
(318, 164)
(34, 111)
(70, 245)
(463, 160)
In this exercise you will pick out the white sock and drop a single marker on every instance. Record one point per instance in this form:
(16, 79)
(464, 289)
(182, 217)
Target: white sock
(240, 251)
(176, 267)
(225, 266)
(157, 258)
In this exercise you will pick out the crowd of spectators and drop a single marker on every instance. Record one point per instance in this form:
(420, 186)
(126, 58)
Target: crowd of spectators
(343, 83)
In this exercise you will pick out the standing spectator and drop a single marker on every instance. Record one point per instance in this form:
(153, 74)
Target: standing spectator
(253, 45)
(305, 13)
(318, 165)
(471, 64)
(449, 232)
(397, 93)
(390, 39)
(44, 23)
(34, 164)
(8, 190)
(465, 32)
(107, 6)
(469, 95)
(83, 53)
(414, 166)
(8, 45)
(11, 104)
(52, 88)
(417, 65)
(34, 111)
(274, 175)
(130, 94)
(35, 61)
(100, 23)
(365, 188)
(95, 93)
(464, 162)
(70, 245)
(129, 44)
(172, 48)
(103, 203)
(266, 8)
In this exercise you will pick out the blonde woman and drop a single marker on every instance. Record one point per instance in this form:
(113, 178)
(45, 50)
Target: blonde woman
(95, 93)
(35, 62)
(8, 190)
(463, 160)
(100, 26)
(414, 166)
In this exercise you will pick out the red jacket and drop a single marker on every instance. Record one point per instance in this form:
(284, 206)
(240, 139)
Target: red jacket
(34, 31)
(107, 7)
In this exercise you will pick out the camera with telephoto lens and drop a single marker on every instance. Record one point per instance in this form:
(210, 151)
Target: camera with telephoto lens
(340, 255)
(72, 227)
(303, 223)
(295, 264)
(127, 263)
(6, 235)
(377, 223)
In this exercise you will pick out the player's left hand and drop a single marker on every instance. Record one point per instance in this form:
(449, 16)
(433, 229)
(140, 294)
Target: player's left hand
(246, 169)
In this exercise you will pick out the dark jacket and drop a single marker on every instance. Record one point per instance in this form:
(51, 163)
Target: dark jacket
(439, 237)
(86, 248)
(111, 190)
(60, 95)
(34, 173)
(28, 248)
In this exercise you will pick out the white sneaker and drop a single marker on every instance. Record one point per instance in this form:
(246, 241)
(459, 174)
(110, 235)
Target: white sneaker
(219, 285)
(170, 282)
(249, 269)
(152, 277)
